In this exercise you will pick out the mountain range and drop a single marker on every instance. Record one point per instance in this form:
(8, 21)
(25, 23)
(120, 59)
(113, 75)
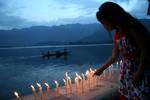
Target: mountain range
(63, 34)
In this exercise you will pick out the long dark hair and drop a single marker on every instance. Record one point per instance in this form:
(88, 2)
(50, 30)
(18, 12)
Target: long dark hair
(117, 16)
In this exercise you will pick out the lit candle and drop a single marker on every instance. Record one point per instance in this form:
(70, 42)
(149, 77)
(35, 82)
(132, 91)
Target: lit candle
(46, 94)
(76, 83)
(17, 96)
(92, 78)
(96, 79)
(117, 65)
(57, 87)
(40, 90)
(80, 83)
(109, 72)
(66, 74)
(83, 76)
(77, 74)
(112, 68)
(120, 62)
(47, 87)
(34, 92)
(70, 84)
(67, 81)
(65, 84)
(104, 73)
(88, 78)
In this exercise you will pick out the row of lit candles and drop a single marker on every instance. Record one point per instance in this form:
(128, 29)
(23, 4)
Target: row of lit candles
(83, 83)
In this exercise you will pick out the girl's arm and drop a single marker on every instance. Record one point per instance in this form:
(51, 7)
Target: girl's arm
(109, 61)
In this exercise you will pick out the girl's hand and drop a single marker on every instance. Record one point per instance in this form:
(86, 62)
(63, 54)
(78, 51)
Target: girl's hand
(99, 71)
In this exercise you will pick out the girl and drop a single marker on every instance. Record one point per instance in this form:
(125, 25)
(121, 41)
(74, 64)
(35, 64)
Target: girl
(131, 46)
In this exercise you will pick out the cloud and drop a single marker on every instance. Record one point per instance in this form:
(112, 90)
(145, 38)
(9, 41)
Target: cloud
(23, 13)
(7, 21)
(137, 8)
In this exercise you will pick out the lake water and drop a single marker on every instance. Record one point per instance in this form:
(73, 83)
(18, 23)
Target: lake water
(21, 67)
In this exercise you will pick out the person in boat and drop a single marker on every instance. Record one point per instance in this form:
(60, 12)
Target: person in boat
(131, 46)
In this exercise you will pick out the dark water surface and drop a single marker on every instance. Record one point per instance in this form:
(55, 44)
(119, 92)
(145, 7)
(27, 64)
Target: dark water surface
(21, 67)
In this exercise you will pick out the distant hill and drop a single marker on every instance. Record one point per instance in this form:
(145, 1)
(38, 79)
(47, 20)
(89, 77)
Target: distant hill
(102, 36)
(63, 34)
(43, 34)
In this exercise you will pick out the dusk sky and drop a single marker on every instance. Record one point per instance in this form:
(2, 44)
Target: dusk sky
(27, 13)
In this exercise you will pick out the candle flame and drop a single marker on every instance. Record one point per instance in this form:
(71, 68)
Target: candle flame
(64, 80)
(76, 79)
(87, 72)
(83, 76)
(69, 78)
(80, 77)
(117, 63)
(91, 70)
(16, 94)
(120, 61)
(47, 85)
(66, 74)
(38, 85)
(56, 83)
(76, 74)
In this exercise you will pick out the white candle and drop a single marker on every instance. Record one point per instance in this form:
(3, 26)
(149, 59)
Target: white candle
(77, 74)
(104, 73)
(40, 90)
(33, 89)
(109, 72)
(67, 81)
(88, 78)
(46, 94)
(34, 92)
(17, 96)
(65, 84)
(40, 87)
(57, 87)
(97, 79)
(76, 83)
(47, 87)
(92, 78)
(120, 62)
(80, 83)
(111, 69)
(70, 83)
(117, 65)
(77, 80)
(91, 70)
(83, 81)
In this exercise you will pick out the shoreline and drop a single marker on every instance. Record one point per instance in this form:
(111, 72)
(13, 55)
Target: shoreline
(53, 46)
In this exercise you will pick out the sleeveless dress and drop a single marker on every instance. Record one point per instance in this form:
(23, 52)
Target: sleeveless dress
(129, 56)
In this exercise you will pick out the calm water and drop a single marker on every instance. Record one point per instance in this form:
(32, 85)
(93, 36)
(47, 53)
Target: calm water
(21, 67)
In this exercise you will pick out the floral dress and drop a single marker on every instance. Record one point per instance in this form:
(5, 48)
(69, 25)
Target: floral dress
(129, 61)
